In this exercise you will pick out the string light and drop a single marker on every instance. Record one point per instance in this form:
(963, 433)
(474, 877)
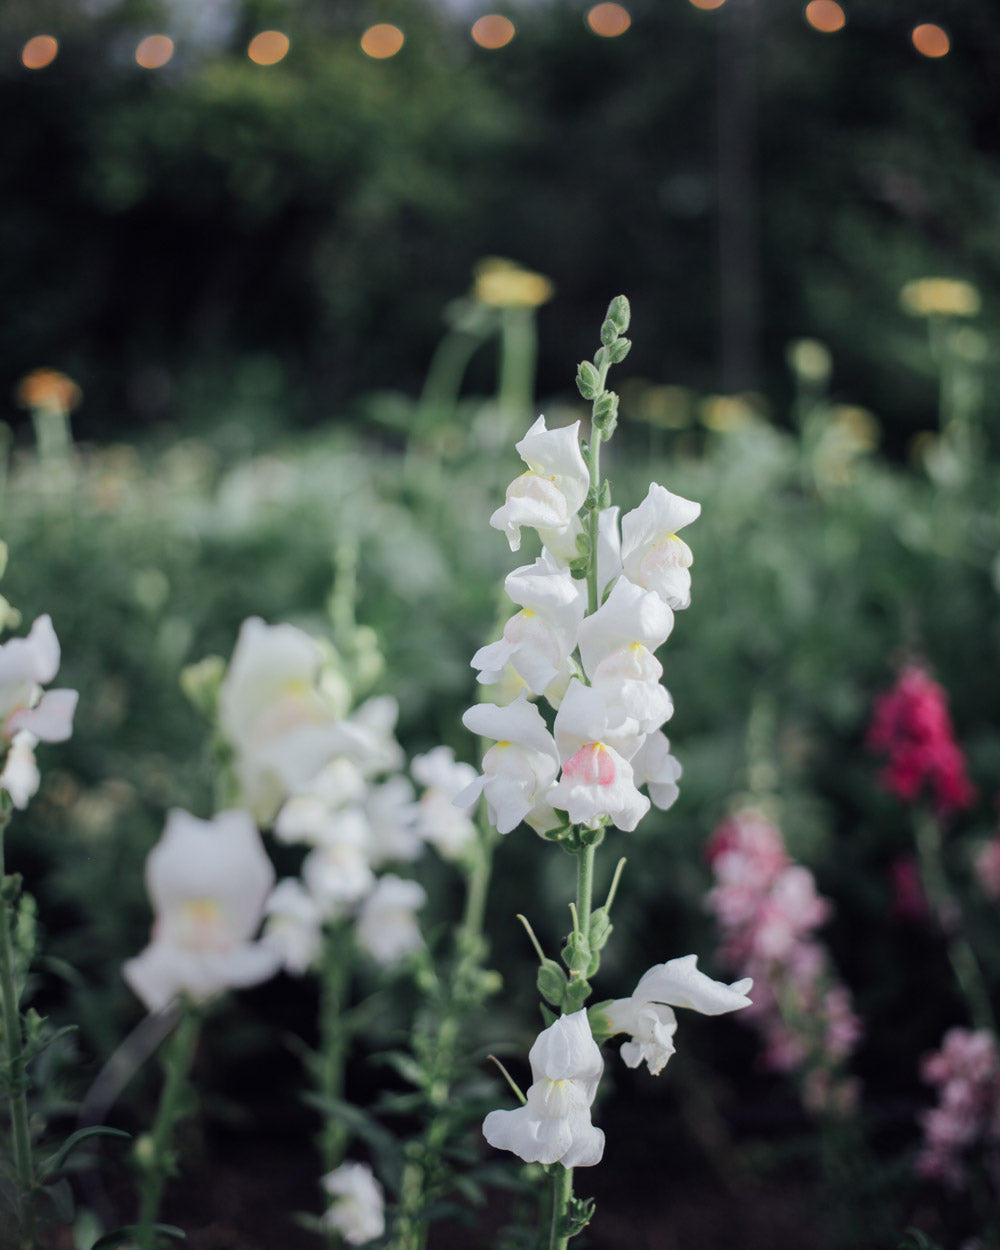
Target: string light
(154, 51)
(930, 40)
(493, 31)
(825, 15)
(609, 20)
(39, 51)
(381, 41)
(268, 47)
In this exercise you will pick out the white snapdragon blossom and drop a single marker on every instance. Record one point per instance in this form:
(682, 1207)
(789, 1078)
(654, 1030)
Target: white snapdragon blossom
(616, 646)
(652, 555)
(597, 779)
(548, 496)
(27, 713)
(281, 724)
(294, 926)
(648, 1014)
(357, 1209)
(387, 928)
(538, 641)
(654, 767)
(519, 770)
(337, 872)
(208, 881)
(390, 811)
(437, 819)
(554, 1124)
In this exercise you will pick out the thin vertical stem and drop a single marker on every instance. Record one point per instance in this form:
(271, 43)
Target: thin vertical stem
(14, 1048)
(562, 1192)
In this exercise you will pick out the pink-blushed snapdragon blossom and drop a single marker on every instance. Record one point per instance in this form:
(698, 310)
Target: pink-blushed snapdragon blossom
(554, 1125)
(294, 925)
(208, 881)
(652, 554)
(911, 726)
(597, 780)
(647, 1014)
(387, 928)
(518, 770)
(767, 909)
(966, 1073)
(538, 641)
(274, 712)
(616, 647)
(436, 817)
(357, 1203)
(548, 496)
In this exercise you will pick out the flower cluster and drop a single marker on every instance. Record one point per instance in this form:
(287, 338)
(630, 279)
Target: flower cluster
(768, 910)
(357, 1203)
(910, 725)
(596, 669)
(29, 714)
(966, 1072)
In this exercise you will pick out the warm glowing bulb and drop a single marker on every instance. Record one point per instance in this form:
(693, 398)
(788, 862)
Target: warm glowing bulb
(608, 20)
(825, 15)
(930, 40)
(154, 51)
(708, 4)
(381, 41)
(493, 31)
(268, 48)
(39, 52)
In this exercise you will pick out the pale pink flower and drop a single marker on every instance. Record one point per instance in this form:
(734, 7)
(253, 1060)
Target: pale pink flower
(966, 1072)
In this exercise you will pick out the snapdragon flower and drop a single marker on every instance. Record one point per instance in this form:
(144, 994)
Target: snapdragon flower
(551, 492)
(436, 817)
(652, 554)
(648, 1013)
(357, 1207)
(597, 780)
(294, 925)
(518, 770)
(208, 881)
(28, 714)
(554, 1125)
(387, 928)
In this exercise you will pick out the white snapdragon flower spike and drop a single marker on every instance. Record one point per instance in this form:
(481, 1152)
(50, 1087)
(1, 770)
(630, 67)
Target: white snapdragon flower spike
(548, 496)
(437, 819)
(648, 1014)
(294, 925)
(26, 665)
(281, 725)
(554, 1124)
(597, 779)
(616, 646)
(208, 881)
(20, 776)
(519, 770)
(537, 641)
(357, 1207)
(652, 555)
(387, 927)
(655, 768)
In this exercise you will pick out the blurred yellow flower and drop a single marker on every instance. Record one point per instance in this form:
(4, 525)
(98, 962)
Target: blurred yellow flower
(848, 433)
(940, 297)
(725, 413)
(47, 388)
(504, 284)
(810, 359)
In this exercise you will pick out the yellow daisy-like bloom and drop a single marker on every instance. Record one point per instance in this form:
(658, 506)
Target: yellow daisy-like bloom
(47, 388)
(503, 284)
(940, 297)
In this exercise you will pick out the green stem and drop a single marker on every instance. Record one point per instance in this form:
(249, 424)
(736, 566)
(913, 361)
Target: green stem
(14, 1047)
(963, 959)
(157, 1153)
(518, 352)
(333, 1043)
(562, 1192)
(585, 887)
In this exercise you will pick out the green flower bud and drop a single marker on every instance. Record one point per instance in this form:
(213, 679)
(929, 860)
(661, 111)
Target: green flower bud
(588, 380)
(577, 993)
(619, 350)
(619, 313)
(604, 501)
(201, 682)
(576, 953)
(609, 333)
(600, 929)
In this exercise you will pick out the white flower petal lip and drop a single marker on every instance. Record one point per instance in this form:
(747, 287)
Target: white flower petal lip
(658, 770)
(33, 660)
(629, 616)
(583, 718)
(652, 554)
(679, 983)
(552, 491)
(50, 720)
(20, 777)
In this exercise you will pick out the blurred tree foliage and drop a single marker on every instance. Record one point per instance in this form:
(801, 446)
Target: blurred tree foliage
(163, 228)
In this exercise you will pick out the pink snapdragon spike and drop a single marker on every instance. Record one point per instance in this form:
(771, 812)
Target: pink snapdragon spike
(554, 1125)
(911, 726)
(209, 881)
(768, 910)
(966, 1072)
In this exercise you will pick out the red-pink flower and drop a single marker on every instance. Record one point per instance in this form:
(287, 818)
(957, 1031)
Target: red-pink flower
(966, 1071)
(910, 724)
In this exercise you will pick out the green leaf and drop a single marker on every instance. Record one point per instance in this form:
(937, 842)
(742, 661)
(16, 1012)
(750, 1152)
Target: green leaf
(53, 1165)
(130, 1231)
(61, 1196)
(551, 982)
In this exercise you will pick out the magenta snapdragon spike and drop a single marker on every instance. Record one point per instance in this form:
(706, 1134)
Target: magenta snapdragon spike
(966, 1072)
(911, 726)
(768, 910)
